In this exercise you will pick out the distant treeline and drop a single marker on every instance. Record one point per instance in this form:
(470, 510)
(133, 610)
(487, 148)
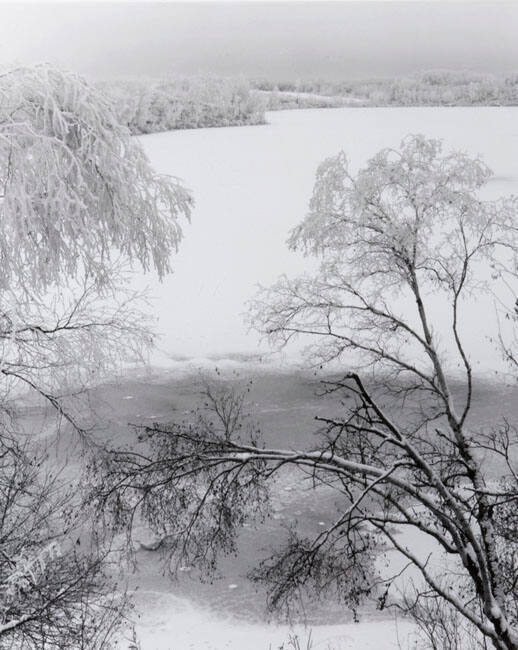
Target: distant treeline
(433, 88)
(185, 103)
(150, 106)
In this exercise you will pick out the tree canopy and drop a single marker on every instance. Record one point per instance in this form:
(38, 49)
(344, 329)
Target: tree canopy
(79, 203)
(409, 225)
(76, 190)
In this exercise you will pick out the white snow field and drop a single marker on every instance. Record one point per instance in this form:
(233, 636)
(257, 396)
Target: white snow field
(251, 186)
(172, 624)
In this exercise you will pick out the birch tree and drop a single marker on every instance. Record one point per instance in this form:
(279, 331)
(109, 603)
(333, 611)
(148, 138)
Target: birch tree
(408, 229)
(80, 207)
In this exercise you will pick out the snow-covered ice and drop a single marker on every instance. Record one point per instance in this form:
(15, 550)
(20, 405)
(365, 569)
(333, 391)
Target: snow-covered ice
(252, 185)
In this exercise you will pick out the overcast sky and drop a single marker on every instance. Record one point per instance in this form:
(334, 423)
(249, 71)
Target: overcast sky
(275, 40)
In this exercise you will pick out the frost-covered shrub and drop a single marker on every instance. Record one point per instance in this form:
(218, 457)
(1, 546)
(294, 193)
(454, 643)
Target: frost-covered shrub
(185, 103)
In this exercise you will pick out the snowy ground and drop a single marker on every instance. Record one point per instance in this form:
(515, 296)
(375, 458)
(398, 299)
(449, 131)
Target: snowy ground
(168, 623)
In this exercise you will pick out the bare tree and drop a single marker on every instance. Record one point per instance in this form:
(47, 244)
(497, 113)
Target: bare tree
(439, 625)
(407, 230)
(79, 206)
(56, 586)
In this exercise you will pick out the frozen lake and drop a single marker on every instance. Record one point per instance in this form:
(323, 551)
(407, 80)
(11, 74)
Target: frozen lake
(252, 185)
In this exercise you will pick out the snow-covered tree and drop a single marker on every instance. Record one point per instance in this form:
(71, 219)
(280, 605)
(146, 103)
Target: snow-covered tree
(80, 206)
(404, 454)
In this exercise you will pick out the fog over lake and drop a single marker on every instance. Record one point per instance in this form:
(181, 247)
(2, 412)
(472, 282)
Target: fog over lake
(253, 184)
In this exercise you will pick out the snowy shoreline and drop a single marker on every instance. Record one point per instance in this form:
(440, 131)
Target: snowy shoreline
(166, 622)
